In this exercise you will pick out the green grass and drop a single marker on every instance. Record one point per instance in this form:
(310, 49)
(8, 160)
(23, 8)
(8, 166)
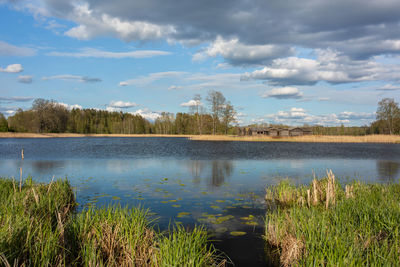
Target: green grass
(40, 227)
(360, 227)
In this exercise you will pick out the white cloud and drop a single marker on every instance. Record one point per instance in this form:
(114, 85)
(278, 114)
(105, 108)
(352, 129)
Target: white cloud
(13, 68)
(330, 66)
(389, 87)
(68, 77)
(70, 107)
(93, 24)
(238, 53)
(147, 114)
(299, 116)
(25, 78)
(122, 104)
(7, 49)
(152, 77)
(96, 53)
(191, 103)
(284, 93)
(174, 87)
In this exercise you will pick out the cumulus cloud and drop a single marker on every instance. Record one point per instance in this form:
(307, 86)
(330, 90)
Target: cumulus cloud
(70, 107)
(352, 27)
(191, 103)
(122, 104)
(94, 22)
(68, 77)
(286, 92)
(329, 66)
(299, 116)
(237, 53)
(96, 53)
(147, 114)
(7, 49)
(13, 68)
(25, 78)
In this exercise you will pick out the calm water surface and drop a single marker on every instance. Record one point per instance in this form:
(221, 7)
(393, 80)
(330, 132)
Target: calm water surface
(219, 184)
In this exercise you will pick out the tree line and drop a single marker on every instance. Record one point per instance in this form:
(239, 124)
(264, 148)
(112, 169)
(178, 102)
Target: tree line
(48, 116)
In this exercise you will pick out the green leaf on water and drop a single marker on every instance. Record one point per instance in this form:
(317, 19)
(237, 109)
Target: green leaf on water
(176, 206)
(220, 201)
(116, 198)
(237, 233)
(251, 223)
(164, 201)
(182, 214)
(215, 207)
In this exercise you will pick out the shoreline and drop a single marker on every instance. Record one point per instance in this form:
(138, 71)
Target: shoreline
(393, 139)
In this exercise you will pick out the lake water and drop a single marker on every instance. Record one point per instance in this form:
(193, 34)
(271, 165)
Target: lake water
(219, 184)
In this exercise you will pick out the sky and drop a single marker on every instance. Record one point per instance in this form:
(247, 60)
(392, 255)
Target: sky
(292, 62)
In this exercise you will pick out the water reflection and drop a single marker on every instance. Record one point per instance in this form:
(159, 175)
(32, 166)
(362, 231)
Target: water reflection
(387, 170)
(220, 170)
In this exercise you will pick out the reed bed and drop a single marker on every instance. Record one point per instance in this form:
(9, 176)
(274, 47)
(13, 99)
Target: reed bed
(39, 226)
(304, 139)
(324, 224)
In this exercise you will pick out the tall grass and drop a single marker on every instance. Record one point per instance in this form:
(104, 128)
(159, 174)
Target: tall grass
(305, 139)
(361, 227)
(39, 227)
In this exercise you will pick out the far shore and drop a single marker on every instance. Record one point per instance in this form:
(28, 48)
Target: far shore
(301, 139)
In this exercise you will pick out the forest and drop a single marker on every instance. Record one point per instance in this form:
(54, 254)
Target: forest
(48, 116)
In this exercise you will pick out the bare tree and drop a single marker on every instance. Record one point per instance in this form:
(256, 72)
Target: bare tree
(196, 109)
(216, 101)
(388, 111)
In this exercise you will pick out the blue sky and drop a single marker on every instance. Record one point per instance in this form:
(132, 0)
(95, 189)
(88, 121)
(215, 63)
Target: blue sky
(276, 61)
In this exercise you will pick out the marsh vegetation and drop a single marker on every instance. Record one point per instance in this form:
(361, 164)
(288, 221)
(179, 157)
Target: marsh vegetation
(331, 225)
(39, 226)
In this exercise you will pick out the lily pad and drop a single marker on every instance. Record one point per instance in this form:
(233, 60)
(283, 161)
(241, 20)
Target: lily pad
(252, 223)
(116, 198)
(182, 214)
(220, 200)
(237, 233)
(164, 201)
(176, 206)
(215, 207)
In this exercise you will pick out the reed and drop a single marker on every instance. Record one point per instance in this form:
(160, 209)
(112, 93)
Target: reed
(357, 226)
(304, 139)
(40, 227)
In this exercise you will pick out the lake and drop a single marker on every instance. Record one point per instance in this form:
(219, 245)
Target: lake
(219, 184)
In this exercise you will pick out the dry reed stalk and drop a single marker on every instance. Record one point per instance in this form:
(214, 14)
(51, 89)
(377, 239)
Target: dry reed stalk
(48, 190)
(349, 191)
(4, 260)
(308, 197)
(22, 154)
(315, 192)
(292, 250)
(35, 196)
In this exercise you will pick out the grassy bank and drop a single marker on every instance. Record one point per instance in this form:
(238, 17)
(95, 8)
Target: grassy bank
(40, 227)
(325, 224)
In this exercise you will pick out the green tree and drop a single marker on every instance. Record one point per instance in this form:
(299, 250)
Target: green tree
(3, 123)
(229, 116)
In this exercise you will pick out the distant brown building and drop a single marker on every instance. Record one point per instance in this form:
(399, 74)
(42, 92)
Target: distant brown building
(270, 131)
